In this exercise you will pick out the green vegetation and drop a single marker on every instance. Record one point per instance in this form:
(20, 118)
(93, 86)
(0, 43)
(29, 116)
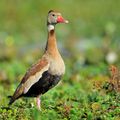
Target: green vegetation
(86, 43)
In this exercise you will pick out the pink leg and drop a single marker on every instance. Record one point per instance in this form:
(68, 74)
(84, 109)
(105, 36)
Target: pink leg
(38, 101)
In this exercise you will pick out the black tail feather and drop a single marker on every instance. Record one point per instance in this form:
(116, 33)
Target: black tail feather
(9, 96)
(11, 100)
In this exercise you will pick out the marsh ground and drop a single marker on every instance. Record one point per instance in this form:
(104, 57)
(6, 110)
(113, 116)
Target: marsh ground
(89, 44)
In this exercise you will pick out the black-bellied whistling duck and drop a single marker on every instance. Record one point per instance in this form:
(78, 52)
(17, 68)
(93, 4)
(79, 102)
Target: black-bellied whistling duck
(47, 72)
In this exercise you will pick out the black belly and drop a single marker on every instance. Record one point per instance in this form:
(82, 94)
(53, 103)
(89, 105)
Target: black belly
(45, 83)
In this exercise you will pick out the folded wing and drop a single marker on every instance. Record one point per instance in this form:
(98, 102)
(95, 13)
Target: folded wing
(31, 77)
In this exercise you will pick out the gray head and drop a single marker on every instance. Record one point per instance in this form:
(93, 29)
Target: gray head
(55, 17)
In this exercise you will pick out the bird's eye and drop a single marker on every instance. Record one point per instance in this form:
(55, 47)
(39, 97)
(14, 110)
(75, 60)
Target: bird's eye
(53, 15)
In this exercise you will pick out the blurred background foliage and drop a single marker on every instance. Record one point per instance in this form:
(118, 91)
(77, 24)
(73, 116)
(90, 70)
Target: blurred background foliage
(93, 25)
(88, 44)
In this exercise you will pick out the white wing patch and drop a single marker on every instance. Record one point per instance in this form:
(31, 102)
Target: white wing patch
(33, 79)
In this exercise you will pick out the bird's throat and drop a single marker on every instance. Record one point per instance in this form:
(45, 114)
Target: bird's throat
(51, 27)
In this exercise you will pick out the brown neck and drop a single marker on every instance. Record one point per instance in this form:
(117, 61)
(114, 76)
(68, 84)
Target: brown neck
(51, 46)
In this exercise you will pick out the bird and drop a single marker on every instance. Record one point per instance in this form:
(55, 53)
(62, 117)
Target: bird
(47, 71)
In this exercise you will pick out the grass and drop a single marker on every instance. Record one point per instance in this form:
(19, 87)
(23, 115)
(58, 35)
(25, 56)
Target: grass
(80, 95)
(91, 35)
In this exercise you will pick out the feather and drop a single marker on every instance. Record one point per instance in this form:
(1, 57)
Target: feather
(30, 78)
